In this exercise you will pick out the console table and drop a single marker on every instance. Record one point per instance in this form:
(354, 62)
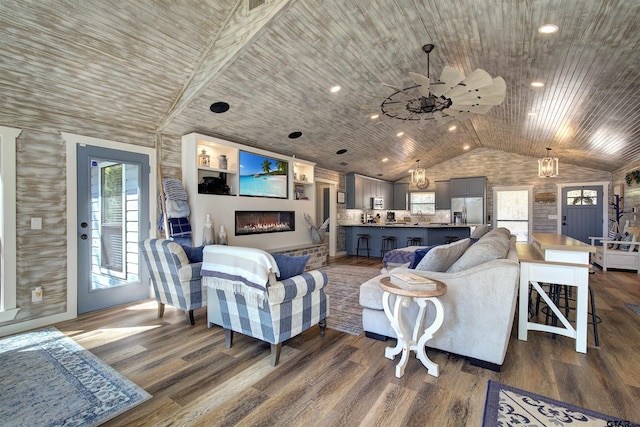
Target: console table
(557, 259)
(416, 342)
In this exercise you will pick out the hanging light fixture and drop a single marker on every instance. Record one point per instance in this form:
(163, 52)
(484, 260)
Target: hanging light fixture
(418, 176)
(548, 166)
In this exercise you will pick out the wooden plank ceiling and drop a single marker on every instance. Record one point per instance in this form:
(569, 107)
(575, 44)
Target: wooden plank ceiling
(140, 68)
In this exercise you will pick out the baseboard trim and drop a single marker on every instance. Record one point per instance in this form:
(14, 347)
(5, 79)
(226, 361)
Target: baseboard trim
(484, 364)
(375, 336)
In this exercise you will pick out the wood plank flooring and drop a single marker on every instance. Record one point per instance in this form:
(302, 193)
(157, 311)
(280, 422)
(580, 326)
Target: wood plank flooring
(345, 380)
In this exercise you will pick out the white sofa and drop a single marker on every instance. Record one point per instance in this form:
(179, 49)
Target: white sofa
(479, 309)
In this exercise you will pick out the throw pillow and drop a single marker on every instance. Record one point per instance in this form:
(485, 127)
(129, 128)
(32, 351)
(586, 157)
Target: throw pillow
(194, 254)
(418, 254)
(479, 231)
(442, 257)
(617, 238)
(477, 254)
(626, 238)
(290, 266)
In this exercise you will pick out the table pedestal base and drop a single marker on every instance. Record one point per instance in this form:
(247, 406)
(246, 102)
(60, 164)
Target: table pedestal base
(415, 342)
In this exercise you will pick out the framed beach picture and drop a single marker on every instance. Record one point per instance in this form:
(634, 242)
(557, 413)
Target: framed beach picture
(340, 196)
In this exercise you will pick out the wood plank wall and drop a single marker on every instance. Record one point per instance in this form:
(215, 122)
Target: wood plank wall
(41, 192)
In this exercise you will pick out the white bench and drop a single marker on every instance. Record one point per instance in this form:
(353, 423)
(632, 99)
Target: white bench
(615, 258)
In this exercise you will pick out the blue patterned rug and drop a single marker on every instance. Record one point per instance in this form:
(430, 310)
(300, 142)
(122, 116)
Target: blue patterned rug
(47, 379)
(507, 406)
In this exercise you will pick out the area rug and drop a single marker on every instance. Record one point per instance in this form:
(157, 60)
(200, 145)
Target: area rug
(47, 379)
(343, 289)
(635, 308)
(507, 406)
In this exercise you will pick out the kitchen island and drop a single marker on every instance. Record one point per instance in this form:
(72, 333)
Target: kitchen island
(431, 234)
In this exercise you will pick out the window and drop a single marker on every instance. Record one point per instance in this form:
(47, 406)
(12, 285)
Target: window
(512, 206)
(582, 197)
(8, 138)
(422, 203)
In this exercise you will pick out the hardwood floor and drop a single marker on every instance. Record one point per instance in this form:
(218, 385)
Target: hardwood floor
(344, 380)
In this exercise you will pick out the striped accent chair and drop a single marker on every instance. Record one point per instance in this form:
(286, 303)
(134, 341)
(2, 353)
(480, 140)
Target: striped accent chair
(244, 296)
(176, 282)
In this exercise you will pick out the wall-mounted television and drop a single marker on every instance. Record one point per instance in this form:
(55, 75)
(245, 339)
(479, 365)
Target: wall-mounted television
(263, 176)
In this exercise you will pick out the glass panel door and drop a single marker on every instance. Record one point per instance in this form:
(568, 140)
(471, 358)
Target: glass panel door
(113, 217)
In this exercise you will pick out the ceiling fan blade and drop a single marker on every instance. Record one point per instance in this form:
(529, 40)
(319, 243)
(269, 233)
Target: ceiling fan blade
(449, 79)
(395, 88)
(477, 109)
(394, 107)
(460, 115)
(423, 81)
(441, 119)
(492, 94)
(479, 78)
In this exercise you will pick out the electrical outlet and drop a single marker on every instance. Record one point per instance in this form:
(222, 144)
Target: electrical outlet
(36, 223)
(36, 294)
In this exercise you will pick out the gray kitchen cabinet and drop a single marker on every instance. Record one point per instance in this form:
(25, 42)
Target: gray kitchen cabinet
(360, 190)
(400, 193)
(443, 194)
(468, 187)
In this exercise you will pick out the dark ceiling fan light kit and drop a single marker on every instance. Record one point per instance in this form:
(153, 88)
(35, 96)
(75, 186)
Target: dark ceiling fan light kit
(454, 96)
(219, 107)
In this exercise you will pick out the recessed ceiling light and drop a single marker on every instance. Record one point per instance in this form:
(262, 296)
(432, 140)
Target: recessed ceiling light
(219, 107)
(548, 29)
(452, 128)
(296, 134)
(537, 84)
(386, 159)
(341, 151)
(532, 113)
(466, 147)
(399, 133)
(335, 89)
(375, 116)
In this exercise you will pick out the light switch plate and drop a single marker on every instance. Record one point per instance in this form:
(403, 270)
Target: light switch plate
(36, 223)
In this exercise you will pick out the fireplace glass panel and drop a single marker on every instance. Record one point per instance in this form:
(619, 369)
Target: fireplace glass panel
(258, 222)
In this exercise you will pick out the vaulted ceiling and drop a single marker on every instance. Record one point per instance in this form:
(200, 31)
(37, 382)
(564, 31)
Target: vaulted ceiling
(108, 68)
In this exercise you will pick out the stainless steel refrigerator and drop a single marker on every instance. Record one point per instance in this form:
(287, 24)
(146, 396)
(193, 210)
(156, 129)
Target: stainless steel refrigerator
(471, 209)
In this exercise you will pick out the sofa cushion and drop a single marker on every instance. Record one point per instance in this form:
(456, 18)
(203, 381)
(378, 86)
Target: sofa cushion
(440, 258)
(479, 231)
(290, 266)
(418, 255)
(479, 253)
(500, 231)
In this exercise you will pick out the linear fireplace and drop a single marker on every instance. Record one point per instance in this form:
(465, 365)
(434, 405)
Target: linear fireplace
(257, 222)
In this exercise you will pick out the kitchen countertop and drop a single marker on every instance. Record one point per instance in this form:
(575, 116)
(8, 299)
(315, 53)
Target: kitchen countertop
(409, 225)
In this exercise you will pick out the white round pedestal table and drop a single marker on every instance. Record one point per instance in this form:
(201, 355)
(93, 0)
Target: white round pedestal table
(416, 340)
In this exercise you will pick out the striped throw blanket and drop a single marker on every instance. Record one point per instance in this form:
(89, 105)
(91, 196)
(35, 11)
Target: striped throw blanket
(250, 269)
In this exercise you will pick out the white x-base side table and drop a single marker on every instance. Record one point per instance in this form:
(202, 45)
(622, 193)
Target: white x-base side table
(417, 340)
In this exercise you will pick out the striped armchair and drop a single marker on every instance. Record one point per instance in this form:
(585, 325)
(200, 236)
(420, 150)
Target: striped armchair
(244, 296)
(176, 282)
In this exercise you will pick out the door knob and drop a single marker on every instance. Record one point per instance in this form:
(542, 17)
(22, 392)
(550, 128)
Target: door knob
(84, 236)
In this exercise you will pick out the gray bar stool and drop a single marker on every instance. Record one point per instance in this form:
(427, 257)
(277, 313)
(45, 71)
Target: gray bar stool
(388, 244)
(364, 239)
(414, 241)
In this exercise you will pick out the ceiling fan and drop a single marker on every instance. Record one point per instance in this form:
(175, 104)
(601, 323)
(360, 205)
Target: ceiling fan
(454, 96)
